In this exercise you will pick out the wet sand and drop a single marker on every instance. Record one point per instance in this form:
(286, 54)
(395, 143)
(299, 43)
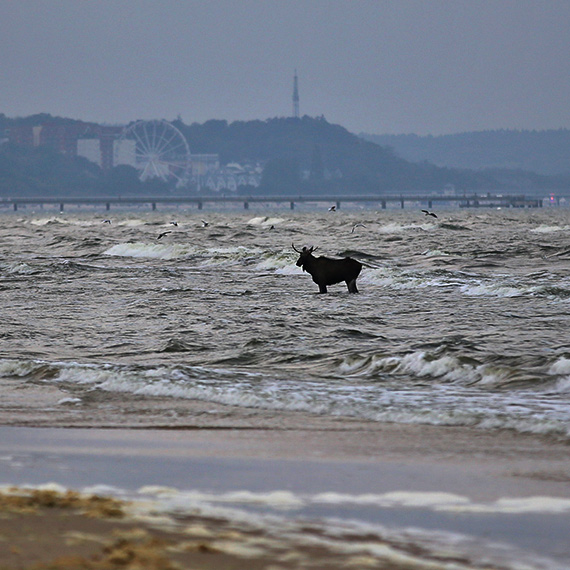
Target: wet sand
(259, 453)
(483, 464)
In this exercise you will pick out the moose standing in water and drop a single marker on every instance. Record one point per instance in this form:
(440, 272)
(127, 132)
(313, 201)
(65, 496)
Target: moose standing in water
(326, 271)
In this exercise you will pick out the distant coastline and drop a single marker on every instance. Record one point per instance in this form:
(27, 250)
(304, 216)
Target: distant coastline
(545, 152)
(42, 155)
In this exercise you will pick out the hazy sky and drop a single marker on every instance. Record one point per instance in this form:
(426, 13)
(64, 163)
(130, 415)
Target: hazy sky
(380, 66)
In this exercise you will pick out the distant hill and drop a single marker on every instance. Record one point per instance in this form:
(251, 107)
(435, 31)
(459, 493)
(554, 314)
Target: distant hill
(339, 161)
(544, 152)
(333, 158)
(300, 156)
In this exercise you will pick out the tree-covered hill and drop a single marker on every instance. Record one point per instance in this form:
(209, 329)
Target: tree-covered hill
(42, 171)
(334, 158)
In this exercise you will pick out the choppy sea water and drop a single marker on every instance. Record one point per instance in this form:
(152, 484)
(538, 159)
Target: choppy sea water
(460, 320)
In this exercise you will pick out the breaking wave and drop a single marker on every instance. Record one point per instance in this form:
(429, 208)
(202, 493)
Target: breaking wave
(439, 388)
(546, 229)
(214, 255)
(265, 221)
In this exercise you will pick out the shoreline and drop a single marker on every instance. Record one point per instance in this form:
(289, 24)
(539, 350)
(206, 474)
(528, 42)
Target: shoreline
(519, 464)
(387, 474)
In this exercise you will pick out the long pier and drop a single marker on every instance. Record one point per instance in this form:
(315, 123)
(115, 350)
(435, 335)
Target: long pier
(467, 201)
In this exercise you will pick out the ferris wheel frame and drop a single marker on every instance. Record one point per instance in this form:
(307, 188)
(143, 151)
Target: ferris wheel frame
(161, 151)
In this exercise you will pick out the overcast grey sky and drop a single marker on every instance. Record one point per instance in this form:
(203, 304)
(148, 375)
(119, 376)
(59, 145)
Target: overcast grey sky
(380, 66)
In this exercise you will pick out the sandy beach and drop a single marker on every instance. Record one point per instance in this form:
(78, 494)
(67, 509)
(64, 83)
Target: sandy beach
(512, 486)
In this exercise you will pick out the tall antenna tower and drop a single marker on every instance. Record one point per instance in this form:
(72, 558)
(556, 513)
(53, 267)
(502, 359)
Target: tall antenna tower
(296, 96)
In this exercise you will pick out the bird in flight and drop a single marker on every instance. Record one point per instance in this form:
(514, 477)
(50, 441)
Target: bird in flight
(332, 209)
(106, 221)
(356, 226)
(428, 213)
(205, 224)
(163, 234)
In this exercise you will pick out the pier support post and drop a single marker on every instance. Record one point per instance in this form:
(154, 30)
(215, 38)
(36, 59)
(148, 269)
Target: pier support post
(61, 207)
(383, 203)
(292, 205)
(200, 205)
(402, 203)
(338, 205)
(429, 204)
(108, 206)
(15, 206)
(246, 205)
(154, 206)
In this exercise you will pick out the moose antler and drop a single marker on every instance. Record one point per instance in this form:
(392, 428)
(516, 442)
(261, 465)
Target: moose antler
(305, 249)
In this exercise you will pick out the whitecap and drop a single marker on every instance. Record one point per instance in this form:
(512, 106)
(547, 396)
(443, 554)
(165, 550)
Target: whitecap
(543, 229)
(395, 228)
(151, 251)
(563, 385)
(265, 221)
(493, 290)
(69, 401)
(561, 366)
(386, 277)
(47, 221)
(283, 261)
(435, 253)
(18, 268)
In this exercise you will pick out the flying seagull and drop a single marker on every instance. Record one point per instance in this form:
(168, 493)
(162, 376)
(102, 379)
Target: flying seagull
(163, 234)
(332, 209)
(356, 226)
(205, 224)
(174, 223)
(106, 221)
(428, 213)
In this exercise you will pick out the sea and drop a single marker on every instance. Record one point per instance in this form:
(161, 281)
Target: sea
(460, 320)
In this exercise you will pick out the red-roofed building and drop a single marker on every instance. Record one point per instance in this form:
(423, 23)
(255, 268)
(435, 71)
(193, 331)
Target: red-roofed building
(90, 140)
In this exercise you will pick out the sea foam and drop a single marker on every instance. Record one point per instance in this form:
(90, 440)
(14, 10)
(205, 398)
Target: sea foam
(151, 251)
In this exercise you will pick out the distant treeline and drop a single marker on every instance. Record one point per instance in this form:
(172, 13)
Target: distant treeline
(544, 152)
(310, 155)
(301, 156)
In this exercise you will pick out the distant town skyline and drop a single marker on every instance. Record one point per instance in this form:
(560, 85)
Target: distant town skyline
(376, 66)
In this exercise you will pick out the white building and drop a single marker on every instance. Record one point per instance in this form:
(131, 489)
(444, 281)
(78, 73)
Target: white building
(90, 149)
(203, 164)
(230, 177)
(124, 152)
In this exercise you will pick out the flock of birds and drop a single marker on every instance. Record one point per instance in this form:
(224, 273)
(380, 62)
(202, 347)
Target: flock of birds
(205, 224)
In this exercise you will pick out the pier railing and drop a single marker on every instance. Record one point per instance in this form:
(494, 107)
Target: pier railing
(467, 201)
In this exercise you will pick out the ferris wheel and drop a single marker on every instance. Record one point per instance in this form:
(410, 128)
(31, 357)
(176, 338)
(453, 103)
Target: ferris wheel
(157, 149)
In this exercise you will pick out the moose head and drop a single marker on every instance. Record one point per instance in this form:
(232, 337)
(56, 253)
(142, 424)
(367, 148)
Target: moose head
(304, 255)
